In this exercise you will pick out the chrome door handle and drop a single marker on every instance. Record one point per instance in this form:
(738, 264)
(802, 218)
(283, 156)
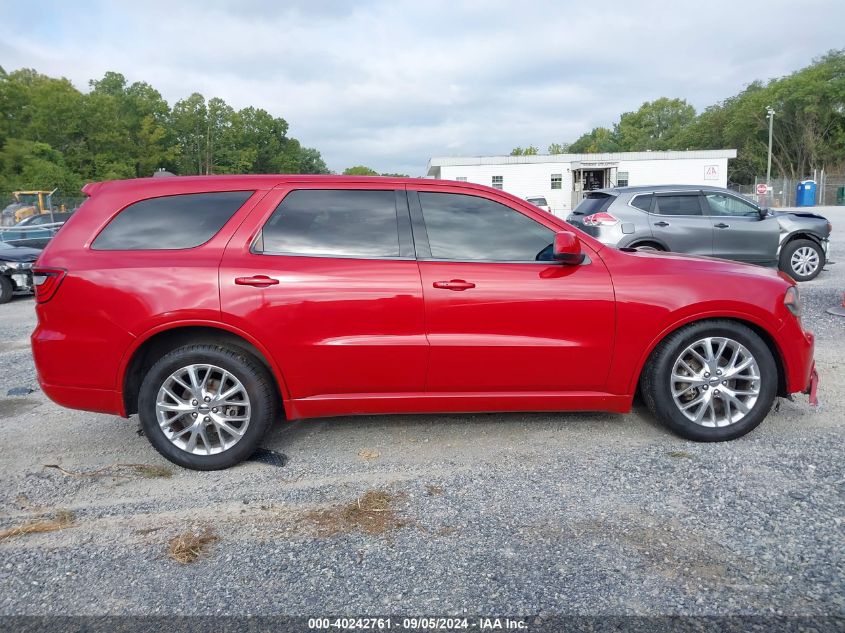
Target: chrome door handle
(258, 281)
(454, 284)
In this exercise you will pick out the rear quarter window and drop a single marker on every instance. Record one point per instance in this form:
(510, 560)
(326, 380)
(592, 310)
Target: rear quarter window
(170, 222)
(642, 202)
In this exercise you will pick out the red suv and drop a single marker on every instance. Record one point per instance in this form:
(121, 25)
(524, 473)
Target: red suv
(208, 305)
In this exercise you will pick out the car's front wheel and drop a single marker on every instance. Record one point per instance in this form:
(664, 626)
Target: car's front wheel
(207, 407)
(711, 381)
(802, 260)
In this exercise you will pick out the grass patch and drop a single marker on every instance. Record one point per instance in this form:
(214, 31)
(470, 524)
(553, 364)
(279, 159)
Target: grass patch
(371, 513)
(62, 519)
(680, 455)
(189, 546)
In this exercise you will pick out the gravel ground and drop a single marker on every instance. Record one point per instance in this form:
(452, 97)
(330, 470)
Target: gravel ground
(518, 514)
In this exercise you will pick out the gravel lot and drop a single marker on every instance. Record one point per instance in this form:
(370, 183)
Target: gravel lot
(504, 514)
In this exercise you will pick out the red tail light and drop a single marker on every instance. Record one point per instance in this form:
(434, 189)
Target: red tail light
(46, 282)
(600, 219)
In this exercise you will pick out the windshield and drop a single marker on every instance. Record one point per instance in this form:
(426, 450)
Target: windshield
(538, 201)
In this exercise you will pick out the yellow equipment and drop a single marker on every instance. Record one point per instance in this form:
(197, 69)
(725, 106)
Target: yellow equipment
(28, 203)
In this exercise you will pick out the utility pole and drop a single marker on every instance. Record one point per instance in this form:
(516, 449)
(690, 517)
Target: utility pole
(771, 117)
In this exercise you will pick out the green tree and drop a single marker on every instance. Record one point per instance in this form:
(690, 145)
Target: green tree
(188, 121)
(525, 151)
(656, 125)
(51, 134)
(32, 165)
(310, 162)
(558, 148)
(599, 139)
(359, 170)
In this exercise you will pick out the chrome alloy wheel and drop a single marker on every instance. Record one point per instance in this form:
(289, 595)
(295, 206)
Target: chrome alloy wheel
(805, 261)
(203, 409)
(715, 382)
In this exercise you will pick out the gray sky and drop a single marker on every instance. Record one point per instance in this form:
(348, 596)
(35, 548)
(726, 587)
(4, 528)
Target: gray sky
(390, 84)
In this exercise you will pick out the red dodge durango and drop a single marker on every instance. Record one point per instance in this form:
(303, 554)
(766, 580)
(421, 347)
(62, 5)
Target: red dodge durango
(211, 304)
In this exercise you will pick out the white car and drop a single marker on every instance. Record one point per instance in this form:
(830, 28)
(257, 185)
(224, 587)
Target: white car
(539, 201)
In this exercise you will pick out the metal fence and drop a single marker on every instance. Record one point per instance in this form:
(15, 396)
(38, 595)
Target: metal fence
(830, 190)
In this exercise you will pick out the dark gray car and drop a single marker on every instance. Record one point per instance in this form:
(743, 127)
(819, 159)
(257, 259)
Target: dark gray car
(707, 221)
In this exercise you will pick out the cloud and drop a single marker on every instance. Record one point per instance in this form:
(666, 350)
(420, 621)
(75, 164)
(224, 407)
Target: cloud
(389, 84)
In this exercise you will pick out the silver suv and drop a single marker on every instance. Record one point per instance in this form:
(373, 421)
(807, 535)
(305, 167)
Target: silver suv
(705, 221)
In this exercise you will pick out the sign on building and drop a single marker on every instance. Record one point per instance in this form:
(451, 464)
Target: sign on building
(711, 172)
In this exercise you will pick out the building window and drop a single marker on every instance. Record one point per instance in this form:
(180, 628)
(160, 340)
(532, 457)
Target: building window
(622, 179)
(557, 181)
(498, 182)
(461, 178)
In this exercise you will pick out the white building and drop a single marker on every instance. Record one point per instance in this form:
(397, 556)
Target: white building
(562, 179)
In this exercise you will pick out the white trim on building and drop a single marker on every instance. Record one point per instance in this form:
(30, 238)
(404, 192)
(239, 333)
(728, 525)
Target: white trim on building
(563, 178)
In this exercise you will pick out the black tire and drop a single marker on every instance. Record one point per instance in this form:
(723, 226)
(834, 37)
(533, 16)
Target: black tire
(7, 290)
(254, 377)
(788, 251)
(655, 382)
(650, 247)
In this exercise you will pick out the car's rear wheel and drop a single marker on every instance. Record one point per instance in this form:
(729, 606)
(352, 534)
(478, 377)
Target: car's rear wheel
(7, 290)
(711, 381)
(649, 247)
(207, 407)
(802, 260)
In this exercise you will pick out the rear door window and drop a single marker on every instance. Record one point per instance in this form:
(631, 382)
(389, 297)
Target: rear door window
(170, 222)
(680, 204)
(333, 223)
(594, 203)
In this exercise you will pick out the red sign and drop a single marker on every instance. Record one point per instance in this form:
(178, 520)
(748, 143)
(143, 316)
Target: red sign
(762, 189)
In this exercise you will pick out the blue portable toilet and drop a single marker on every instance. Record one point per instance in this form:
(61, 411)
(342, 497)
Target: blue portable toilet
(805, 195)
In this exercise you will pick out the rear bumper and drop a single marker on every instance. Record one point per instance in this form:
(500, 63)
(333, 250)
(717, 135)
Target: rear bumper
(84, 398)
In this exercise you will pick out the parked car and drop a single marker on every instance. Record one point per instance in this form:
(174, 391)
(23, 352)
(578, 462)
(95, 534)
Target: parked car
(539, 201)
(212, 303)
(16, 270)
(34, 231)
(705, 221)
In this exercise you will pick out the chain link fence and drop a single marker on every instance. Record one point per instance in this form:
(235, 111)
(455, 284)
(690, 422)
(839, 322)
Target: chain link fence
(830, 191)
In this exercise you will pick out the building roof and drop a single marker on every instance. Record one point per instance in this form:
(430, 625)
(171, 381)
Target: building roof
(657, 188)
(436, 162)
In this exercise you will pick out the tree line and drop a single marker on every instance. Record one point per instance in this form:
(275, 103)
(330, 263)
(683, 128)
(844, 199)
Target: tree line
(808, 130)
(54, 136)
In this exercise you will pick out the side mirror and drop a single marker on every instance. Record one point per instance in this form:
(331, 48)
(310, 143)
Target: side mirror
(567, 248)
(763, 213)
